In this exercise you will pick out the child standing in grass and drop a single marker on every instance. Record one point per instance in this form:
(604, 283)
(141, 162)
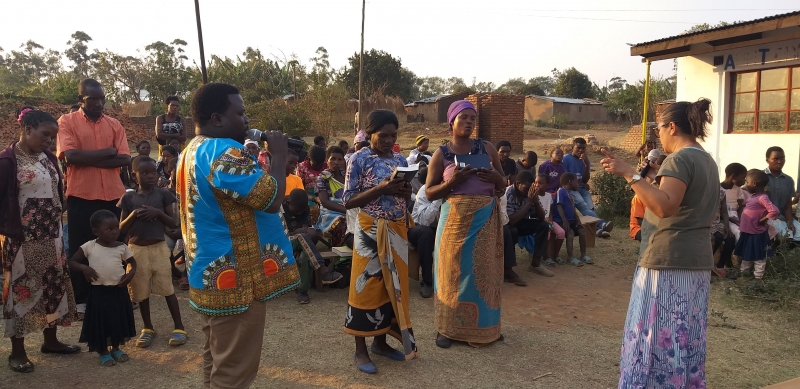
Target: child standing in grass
(567, 217)
(109, 314)
(754, 245)
(145, 214)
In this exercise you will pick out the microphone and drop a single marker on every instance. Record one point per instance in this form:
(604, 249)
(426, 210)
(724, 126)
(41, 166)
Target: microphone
(260, 136)
(652, 156)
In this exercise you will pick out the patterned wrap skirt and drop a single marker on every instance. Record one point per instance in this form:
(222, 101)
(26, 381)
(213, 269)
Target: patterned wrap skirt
(468, 269)
(378, 299)
(664, 342)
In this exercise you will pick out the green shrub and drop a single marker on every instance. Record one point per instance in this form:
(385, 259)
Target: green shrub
(541, 123)
(559, 120)
(614, 196)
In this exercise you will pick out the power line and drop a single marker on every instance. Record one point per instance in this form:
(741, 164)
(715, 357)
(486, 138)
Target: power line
(599, 19)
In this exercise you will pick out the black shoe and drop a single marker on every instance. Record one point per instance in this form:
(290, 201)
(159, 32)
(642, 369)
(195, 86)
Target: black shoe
(426, 291)
(443, 341)
(302, 297)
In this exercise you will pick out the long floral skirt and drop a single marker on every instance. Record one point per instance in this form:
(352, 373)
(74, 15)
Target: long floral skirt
(664, 343)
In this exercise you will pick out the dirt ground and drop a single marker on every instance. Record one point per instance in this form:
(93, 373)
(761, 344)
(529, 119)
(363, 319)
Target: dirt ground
(560, 332)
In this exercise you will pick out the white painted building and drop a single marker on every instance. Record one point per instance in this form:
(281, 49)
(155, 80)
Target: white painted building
(751, 73)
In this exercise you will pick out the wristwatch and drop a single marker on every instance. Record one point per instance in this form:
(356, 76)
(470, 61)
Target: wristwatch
(636, 177)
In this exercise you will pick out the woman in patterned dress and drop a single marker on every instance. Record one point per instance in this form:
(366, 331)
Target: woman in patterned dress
(37, 293)
(380, 248)
(330, 188)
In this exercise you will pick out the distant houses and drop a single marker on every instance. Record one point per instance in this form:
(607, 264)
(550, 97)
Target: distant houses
(432, 109)
(572, 110)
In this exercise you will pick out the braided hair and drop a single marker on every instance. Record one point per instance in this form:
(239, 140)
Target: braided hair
(29, 116)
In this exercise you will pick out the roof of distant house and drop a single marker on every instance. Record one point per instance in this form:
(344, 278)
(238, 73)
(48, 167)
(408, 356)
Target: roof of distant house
(568, 100)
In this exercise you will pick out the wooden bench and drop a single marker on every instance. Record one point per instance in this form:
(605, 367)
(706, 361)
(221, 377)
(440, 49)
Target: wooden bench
(590, 224)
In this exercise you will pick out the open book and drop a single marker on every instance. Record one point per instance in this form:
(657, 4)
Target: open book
(408, 173)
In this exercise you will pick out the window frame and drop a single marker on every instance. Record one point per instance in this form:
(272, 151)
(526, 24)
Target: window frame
(757, 103)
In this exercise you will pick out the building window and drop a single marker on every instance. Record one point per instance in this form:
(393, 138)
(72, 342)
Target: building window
(766, 101)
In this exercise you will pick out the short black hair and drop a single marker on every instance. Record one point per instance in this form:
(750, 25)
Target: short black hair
(138, 161)
(319, 139)
(334, 150)
(525, 177)
(567, 177)
(362, 144)
(142, 142)
(422, 174)
(316, 154)
(343, 144)
(87, 83)
(100, 216)
(545, 176)
(531, 158)
(735, 169)
(35, 117)
(774, 149)
(579, 141)
(173, 139)
(170, 149)
(209, 99)
(171, 99)
(379, 118)
(298, 197)
(504, 143)
(291, 153)
(759, 177)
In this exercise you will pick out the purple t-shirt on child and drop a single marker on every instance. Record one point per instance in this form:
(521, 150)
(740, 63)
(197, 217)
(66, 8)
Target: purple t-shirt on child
(564, 198)
(554, 172)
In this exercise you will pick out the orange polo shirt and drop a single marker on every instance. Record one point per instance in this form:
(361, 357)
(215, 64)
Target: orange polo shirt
(78, 132)
(293, 182)
(637, 211)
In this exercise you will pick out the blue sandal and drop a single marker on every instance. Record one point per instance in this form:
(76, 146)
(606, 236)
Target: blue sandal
(120, 356)
(587, 260)
(549, 262)
(394, 355)
(107, 360)
(577, 262)
(368, 367)
(178, 338)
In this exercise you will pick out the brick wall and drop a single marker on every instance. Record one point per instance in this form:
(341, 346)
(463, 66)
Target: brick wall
(500, 117)
(150, 122)
(633, 140)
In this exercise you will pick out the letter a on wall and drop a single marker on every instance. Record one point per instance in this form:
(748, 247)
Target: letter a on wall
(729, 62)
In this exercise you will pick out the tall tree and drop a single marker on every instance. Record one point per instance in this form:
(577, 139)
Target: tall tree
(573, 84)
(167, 73)
(124, 77)
(382, 72)
(521, 87)
(78, 53)
(33, 63)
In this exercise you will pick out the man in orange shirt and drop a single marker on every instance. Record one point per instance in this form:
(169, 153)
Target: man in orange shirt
(94, 147)
(637, 215)
(293, 181)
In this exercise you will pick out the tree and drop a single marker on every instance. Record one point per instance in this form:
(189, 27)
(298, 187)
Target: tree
(521, 87)
(78, 53)
(166, 71)
(628, 100)
(124, 77)
(546, 83)
(573, 84)
(33, 64)
(382, 72)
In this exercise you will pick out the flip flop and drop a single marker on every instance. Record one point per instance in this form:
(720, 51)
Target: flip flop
(178, 338)
(549, 262)
(587, 260)
(120, 356)
(394, 355)
(577, 262)
(65, 351)
(26, 367)
(105, 359)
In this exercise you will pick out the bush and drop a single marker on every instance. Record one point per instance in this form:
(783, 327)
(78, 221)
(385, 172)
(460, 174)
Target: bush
(614, 196)
(559, 120)
(541, 123)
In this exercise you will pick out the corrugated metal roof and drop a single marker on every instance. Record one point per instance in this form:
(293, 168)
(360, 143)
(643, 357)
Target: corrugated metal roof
(567, 100)
(721, 28)
(431, 99)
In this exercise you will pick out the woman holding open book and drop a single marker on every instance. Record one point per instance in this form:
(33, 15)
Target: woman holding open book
(380, 248)
(468, 259)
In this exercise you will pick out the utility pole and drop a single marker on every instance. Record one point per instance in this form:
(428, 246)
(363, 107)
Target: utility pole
(200, 39)
(360, 67)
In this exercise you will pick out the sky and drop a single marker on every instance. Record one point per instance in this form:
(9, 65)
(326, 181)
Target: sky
(487, 40)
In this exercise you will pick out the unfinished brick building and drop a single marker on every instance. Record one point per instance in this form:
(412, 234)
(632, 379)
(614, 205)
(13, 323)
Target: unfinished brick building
(500, 117)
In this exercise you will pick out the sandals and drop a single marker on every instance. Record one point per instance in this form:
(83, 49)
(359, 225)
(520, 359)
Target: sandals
(577, 262)
(560, 261)
(26, 367)
(549, 262)
(107, 360)
(64, 351)
(183, 284)
(145, 339)
(587, 260)
(120, 356)
(178, 338)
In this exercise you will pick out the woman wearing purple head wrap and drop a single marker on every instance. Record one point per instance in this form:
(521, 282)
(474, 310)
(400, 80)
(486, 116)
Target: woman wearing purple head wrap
(469, 275)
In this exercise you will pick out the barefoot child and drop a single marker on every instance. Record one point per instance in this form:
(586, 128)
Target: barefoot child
(145, 214)
(754, 245)
(566, 216)
(109, 314)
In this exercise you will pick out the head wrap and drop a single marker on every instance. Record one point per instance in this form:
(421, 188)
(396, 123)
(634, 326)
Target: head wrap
(420, 139)
(21, 114)
(456, 109)
(250, 142)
